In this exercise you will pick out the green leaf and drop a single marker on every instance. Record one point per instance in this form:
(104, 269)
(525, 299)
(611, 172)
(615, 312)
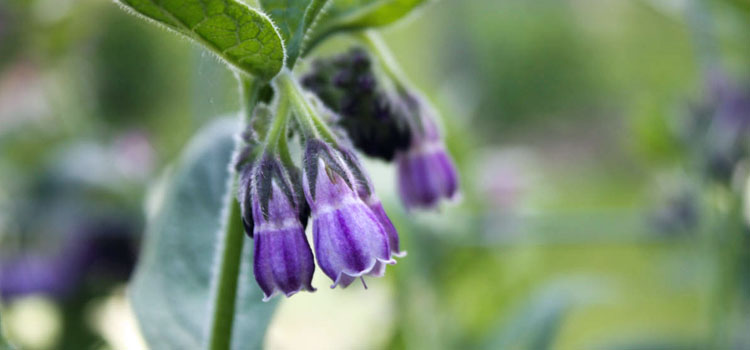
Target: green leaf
(170, 292)
(243, 37)
(345, 15)
(372, 13)
(294, 19)
(4, 343)
(536, 321)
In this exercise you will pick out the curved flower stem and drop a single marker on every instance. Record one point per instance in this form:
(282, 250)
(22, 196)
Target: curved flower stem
(394, 74)
(388, 63)
(311, 125)
(224, 284)
(278, 128)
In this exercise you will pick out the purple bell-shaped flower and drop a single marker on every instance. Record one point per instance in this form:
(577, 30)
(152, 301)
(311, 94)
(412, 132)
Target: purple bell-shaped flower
(367, 193)
(275, 215)
(349, 239)
(426, 173)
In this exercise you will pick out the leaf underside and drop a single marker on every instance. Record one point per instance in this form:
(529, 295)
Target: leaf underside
(243, 37)
(294, 19)
(350, 15)
(371, 13)
(170, 291)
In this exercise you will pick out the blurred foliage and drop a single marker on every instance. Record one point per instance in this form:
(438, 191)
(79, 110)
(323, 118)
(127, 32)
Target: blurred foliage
(563, 245)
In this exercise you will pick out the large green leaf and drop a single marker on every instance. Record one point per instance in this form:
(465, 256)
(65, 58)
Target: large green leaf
(170, 292)
(343, 15)
(242, 36)
(294, 19)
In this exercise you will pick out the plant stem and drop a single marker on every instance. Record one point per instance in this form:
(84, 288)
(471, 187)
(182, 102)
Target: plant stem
(304, 112)
(226, 280)
(394, 75)
(278, 128)
(388, 63)
(224, 285)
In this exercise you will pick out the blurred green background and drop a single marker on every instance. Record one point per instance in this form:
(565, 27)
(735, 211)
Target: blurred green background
(586, 219)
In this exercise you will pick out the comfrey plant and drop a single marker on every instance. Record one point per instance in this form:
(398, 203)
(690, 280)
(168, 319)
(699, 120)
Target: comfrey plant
(359, 101)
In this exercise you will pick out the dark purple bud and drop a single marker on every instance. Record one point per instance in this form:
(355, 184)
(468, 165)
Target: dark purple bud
(348, 86)
(426, 173)
(366, 82)
(283, 260)
(349, 239)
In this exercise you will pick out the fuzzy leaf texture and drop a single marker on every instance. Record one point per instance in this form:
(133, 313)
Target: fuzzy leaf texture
(343, 15)
(294, 19)
(170, 291)
(243, 37)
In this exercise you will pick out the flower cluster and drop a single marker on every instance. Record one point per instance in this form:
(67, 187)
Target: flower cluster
(352, 235)
(397, 124)
(347, 85)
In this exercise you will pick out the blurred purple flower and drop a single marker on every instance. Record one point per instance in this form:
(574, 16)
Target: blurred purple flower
(729, 126)
(349, 239)
(104, 251)
(426, 173)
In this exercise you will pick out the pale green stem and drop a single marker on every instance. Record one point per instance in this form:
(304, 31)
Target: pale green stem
(383, 54)
(224, 285)
(278, 128)
(305, 113)
(249, 93)
(388, 64)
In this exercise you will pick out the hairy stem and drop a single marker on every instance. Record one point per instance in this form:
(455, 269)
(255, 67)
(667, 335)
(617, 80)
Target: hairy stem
(249, 93)
(385, 58)
(304, 112)
(278, 128)
(224, 285)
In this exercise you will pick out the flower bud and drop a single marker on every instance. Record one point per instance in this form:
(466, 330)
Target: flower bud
(274, 214)
(347, 85)
(349, 239)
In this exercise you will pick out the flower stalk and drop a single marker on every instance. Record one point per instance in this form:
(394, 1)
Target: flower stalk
(311, 125)
(224, 285)
(388, 64)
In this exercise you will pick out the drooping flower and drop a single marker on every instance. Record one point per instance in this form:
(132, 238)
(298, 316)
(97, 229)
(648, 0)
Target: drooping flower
(367, 193)
(349, 239)
(274, 214)
(426, 173)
